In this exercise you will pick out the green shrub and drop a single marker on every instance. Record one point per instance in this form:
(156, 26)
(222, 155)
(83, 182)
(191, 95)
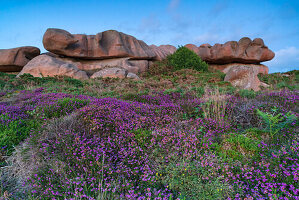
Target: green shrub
(185, 58)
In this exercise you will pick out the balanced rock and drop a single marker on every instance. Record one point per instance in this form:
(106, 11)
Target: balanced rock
(45, 65)
(244, 76)
(107, 44)
(243, 51)
(162, 51)
(13, 60)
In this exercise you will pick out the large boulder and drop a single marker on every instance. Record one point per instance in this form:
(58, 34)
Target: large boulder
(162, 51)
(244, 76)
(107, 44)
(13, 60)
(45, 65)
(263, 69)
(134, 66)
(243, 51)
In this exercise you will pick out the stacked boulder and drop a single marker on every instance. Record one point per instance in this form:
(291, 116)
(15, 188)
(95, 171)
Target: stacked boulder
(13, 60)
(240, 61)
(83, 56)
(117, 55)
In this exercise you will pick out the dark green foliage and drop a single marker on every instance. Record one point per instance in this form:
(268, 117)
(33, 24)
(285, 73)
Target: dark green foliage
(175, 90)
(247, 93)
(27, 81)
(62, 107)
(2, 84)
(200, 91)
(3, 75)
(185, 58)
(238, 147)
(37, 80)
(142, 137)
(276, 122)
(14, 132)
(187, 177)
(285, 85)
(288, 80)
(74, 82)
(227, 90)
(191, 112)
(4, 79)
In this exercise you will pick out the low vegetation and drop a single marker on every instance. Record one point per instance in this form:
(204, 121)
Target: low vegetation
(174, 134)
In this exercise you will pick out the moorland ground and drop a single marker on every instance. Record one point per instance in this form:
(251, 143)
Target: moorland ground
(174, 134)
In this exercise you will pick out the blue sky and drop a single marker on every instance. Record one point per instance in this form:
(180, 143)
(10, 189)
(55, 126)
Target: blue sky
(176, 22)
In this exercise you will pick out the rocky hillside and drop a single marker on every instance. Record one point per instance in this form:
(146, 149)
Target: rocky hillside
(89, 56)
(95, 118)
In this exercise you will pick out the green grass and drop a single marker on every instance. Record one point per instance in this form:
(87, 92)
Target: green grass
(288, 80)
(15, 132)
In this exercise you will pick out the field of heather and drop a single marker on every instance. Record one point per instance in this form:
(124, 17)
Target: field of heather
(63, 138)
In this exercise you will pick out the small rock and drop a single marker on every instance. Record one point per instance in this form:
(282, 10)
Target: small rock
(265, 85)
(133, 76)
(111, 73)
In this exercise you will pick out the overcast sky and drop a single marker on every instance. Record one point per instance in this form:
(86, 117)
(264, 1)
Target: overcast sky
(176, 22)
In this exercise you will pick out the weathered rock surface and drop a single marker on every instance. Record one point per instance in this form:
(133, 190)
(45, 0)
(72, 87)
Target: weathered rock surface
(226, 67)
(244, 76)
(243, 51)
(107, 44)
(13, 60)
(193, 47)
(162, 51)
(133, 76)
(45, 65)
(134, 66)
(111, 73)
